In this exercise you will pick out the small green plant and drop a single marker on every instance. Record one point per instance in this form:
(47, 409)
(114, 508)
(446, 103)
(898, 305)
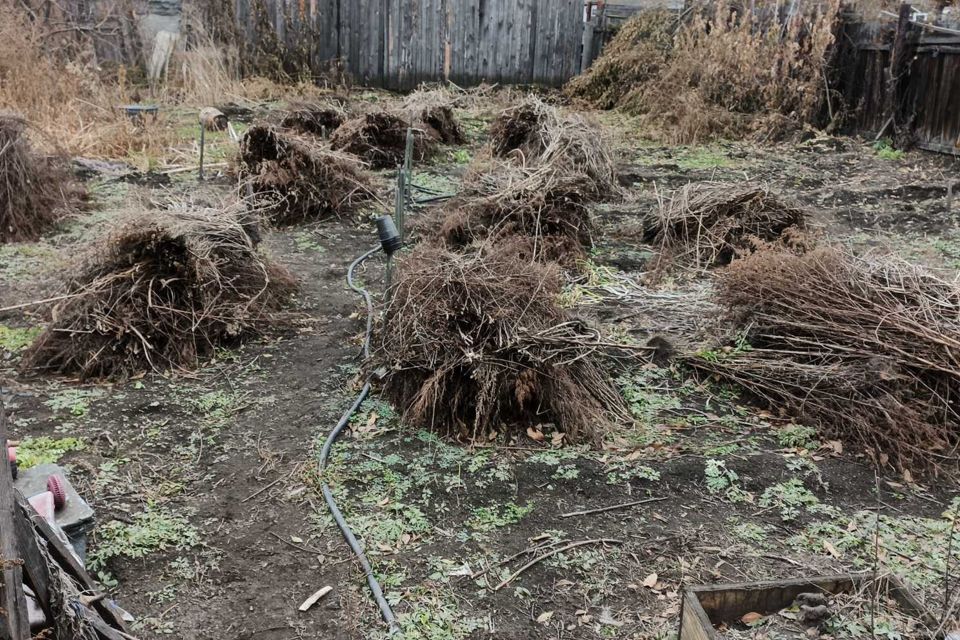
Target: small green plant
(45, 450)
(797, 437)
(462, 156)
(15, 339)
(724, 482)
(75, 401)
(750, 532)
(625, 472)
(885, 150)
(154, 529)
(566, 472)
(489, 518)
(791, 498)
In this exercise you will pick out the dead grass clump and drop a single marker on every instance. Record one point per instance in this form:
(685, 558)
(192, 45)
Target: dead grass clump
(164, 291)
(866, 348)
(539, 134)
(636, 55)
(708, 224)
(315, 118)
(506, 200)
(379, 138)
(296, 178)
(35, 190)
(476, 346)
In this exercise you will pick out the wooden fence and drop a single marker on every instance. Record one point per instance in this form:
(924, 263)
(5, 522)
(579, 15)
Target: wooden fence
(397, 44)
(901, 79)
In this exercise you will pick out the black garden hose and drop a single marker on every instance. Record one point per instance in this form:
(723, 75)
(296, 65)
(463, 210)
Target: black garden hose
(375, 589)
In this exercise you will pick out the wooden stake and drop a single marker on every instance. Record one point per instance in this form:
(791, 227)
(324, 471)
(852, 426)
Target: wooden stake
(14, 623)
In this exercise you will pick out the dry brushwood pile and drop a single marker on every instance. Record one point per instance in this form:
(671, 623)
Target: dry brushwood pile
(164, 291)
(379, 138)
(35, 191)
(633, 57)
(502, 201)
(538, 134)
(708, 224)
(868, 349)
(295, 178)
(476, 343)
(314, 118)
(729, 72)
(433, 110)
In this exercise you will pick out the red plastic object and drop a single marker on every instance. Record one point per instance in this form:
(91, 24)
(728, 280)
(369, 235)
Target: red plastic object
(57, 486)
(45, 504)
(12, 454)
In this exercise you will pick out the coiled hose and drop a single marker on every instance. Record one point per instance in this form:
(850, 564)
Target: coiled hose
(375, 589)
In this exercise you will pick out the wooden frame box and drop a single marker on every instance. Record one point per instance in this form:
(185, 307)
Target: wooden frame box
(704, 607)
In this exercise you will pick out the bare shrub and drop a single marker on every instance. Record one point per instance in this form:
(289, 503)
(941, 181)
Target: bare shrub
(476, 346)
(163, 291)
(379, 138)
(539, 134)
(708, 224)
(35, 190)
(866, 348)
(296, 178)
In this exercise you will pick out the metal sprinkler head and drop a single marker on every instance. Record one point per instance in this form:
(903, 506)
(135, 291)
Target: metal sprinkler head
(389, 236)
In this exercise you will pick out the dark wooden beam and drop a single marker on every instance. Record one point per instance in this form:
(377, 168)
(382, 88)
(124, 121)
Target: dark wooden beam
(14, 623)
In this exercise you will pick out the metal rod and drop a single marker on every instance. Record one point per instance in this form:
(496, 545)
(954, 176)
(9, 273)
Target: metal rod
(399, 203)
(203, 136)
(386, 294)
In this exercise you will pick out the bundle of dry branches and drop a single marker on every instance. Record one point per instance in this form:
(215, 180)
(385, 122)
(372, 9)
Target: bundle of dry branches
(538, 134)
(475, 345)
(295, 178)
(708, 224)
(315, 118)
(433, 110)
(379, 138)
(164, 291)
(35, 191)
(505, 200)
(867, 348)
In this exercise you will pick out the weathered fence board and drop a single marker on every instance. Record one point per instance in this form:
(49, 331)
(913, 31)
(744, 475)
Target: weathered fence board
(400, 43)
(925, 106)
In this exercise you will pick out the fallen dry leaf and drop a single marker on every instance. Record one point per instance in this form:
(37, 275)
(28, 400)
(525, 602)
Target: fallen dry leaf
(650, 581)
(544, 617)
(750, 618)
(535, 434)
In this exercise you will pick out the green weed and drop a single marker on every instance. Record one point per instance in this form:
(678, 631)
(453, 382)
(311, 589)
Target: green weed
(14, 339)
(75, 401)
(45, 450)
(486, 519)
(724, 482)
(154, 529)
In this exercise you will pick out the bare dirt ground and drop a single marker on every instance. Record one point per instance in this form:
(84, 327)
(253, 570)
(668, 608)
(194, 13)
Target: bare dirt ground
(210, 520)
